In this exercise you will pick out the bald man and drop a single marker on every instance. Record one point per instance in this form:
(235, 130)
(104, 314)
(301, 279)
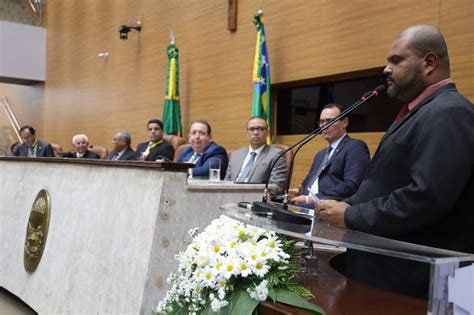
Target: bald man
(419, 186)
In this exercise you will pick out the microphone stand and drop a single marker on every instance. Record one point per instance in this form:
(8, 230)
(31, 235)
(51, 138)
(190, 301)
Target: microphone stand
(264, 206)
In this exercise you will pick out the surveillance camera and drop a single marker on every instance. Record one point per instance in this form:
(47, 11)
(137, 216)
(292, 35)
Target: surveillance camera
(123, 31)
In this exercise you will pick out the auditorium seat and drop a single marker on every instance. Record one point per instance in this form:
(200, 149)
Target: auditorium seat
(57, 149)
(179, 149)
(174, 140)
(100, 151)
(288, 156)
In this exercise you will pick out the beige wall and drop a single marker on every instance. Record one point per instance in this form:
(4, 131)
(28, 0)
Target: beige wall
(306, 39)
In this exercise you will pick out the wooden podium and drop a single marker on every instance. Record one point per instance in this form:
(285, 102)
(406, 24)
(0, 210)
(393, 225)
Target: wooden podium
(114, 229)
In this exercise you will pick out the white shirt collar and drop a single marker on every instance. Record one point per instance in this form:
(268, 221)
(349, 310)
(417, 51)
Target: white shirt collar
(336, 143)
(256, 151)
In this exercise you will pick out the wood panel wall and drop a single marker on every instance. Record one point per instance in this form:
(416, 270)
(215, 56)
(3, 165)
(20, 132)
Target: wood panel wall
(306, 39)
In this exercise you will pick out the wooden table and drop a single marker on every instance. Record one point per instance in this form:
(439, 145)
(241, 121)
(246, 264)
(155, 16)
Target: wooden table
(339, 295)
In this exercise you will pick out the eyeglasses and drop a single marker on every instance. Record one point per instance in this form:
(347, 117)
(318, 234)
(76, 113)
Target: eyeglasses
(322, 122)
(258, 128)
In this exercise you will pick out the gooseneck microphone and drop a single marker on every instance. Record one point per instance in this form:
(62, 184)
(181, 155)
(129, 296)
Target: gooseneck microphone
(263, 206)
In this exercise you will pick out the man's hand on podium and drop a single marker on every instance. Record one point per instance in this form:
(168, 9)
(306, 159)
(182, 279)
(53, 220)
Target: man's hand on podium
(332, 212)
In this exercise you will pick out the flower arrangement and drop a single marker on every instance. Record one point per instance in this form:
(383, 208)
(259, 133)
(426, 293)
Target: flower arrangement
(231, 267)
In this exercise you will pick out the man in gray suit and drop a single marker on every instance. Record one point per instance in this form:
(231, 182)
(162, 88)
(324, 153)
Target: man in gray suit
(122, 150)
(31, 146)
(252, 164)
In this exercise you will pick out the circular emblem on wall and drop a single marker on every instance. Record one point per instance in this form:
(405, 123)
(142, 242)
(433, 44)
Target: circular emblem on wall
(36, 231)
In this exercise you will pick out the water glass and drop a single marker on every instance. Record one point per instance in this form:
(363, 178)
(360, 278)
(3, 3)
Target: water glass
(214, 170)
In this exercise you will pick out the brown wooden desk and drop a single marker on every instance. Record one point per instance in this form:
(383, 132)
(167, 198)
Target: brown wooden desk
(339, 295)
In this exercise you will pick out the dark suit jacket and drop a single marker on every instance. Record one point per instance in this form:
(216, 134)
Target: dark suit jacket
(344, 171)
(202, 166)
(87, 155)
(43, 149)
(163, 150)
(129, 154)
(260, 171)
(419, 188)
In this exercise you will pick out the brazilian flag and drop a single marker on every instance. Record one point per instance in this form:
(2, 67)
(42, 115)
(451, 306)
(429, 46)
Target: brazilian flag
(261, 75)
(172, 112)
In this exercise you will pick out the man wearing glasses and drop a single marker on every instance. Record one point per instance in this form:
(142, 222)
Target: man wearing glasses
(337, 170)
(251, 164)
(31, 147)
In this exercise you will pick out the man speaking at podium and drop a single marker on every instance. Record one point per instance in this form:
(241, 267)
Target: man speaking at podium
(419, 186)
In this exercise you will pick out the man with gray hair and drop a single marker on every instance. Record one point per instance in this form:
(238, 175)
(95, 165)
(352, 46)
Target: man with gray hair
(81, 144)
(121, 147)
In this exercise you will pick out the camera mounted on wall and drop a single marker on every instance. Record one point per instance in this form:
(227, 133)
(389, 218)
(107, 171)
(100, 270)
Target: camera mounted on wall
(125, 29)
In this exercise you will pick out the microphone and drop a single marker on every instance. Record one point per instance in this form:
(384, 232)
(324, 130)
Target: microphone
(164, 158)
(264, 207)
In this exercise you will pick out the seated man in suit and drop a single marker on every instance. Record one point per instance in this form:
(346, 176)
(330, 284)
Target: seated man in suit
(337, 170)
(252, 163)
(31, 146)
(156, 148)
(122, 150)
(81, 143)
(202, 149)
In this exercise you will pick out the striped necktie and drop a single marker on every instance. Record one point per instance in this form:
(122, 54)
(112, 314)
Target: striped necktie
(246, 171)
(324, 162)
(194, 158)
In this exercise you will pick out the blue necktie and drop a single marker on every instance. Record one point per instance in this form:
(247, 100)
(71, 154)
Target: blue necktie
(245, 173)
(194, 158)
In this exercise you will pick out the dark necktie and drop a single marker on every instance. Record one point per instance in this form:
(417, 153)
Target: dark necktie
(403, 112)
(115, 156)
(324, 162)
(245, 173)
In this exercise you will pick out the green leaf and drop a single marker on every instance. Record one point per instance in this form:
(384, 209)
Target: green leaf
(272, 294)
(286, 297)
(242, 303)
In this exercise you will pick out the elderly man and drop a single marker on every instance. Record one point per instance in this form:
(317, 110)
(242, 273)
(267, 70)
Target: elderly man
(337, 170)
(122, 150)
(252, 163)
(31, 146)
(419, 187)
(202, 149)
(156, 148)
(80, 143)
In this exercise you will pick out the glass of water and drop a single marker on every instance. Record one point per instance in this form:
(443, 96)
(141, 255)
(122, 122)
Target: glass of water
(214, 170)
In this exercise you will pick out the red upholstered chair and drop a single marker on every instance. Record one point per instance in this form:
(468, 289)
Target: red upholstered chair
(56, 149)
(288, 156)
(179, 149)
(175, 141)
(101, 151)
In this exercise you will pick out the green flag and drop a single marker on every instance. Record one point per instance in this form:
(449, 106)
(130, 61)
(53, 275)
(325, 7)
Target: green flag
(172, 112)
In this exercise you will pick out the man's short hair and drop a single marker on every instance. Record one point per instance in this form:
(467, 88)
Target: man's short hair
(424, 39)
(155, 121)
(126, 137)
(257, 117)
(81, 135)
(31, 129)
(204, 123)
(334, 105)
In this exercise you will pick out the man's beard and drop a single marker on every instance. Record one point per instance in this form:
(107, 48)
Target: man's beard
(408, 90)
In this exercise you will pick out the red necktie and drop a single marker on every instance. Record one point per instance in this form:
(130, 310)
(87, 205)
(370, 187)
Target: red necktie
(403, 111)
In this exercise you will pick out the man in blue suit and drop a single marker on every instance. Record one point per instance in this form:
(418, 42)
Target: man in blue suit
(202, 149)
(337, 170)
